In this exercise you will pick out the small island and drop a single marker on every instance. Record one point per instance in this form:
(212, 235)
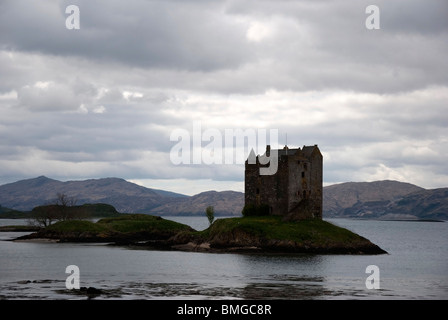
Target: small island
(282, 214)
(252, 234)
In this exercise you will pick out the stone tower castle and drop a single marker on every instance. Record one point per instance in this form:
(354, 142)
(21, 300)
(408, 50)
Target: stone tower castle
(294, 191)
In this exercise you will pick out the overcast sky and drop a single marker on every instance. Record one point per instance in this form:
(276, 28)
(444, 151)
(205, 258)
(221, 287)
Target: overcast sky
(102, 100)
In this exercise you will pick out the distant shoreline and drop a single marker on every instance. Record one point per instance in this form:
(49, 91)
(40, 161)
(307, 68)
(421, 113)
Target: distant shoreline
(411, 220)
(405, 220)
(19, 228)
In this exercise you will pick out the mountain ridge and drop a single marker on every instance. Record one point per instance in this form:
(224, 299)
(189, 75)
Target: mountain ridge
(338, 198)
(377, 199)
(125, 196)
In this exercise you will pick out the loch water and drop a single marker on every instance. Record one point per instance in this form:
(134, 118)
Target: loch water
(416, 267)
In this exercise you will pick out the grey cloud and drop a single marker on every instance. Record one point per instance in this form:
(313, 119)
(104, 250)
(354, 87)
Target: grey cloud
(316, 45)
(48, 97)
(153, 66)
(123, 128)
(418, 17)
(343, 54)
(156, 34)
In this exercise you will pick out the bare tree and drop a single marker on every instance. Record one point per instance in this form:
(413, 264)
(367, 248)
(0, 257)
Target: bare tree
(43, 216)
(60, 209)
(63, 203)
(64, 200)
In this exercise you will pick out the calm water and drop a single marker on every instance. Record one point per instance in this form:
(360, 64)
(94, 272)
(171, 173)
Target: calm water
(415, 268)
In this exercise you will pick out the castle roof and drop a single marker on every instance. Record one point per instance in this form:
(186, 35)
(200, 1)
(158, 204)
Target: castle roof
(287, 152)
(304, 154)
(306, 151)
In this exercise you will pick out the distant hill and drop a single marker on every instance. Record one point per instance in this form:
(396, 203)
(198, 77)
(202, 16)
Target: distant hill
(386, 200)
(424, 204)
(379, 199)
(224, 203)
(362, 198)
(125, 196)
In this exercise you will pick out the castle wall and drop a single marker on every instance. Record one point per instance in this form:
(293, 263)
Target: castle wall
(316, 178)
(251, 184)
(266, 189)
(299, 182)
(295, 191)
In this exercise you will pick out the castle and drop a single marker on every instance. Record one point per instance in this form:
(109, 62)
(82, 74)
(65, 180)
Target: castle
(294, 191)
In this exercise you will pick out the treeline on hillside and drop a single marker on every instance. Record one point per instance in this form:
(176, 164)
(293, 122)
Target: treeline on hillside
(48, 214)
(7, 213)
(63, 208)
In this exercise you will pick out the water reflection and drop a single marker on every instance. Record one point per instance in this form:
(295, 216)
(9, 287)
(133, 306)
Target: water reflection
(282, 276)
(303, 288)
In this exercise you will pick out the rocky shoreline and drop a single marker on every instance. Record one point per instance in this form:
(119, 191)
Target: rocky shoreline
(241, 242)
(281, 249)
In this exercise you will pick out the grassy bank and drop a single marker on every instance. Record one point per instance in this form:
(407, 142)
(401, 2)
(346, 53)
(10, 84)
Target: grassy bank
(132, 223)
(75, 226)
(127, 227)
(272, 234)
(274, 228)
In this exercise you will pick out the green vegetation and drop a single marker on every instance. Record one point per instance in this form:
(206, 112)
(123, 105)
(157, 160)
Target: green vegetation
(259, 233)
(100, 210)
(46, 215)
(130, 223)
(210, 213)
(76, 226)
(6, 213)
(132, 227)
(274, 228)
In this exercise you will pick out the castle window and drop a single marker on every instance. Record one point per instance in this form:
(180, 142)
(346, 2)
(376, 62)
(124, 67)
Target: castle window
(304, 194)
(258, 191)
(303, 174)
